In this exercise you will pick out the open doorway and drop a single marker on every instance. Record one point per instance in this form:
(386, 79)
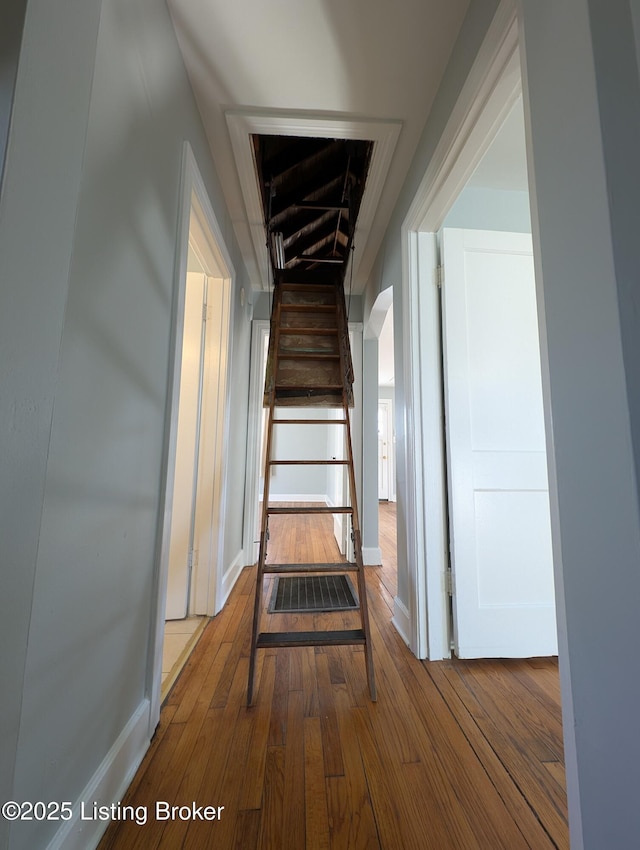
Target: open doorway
(381, 326)
(196, 529)
(492, 91)
(387, 516)
(442, 193)
(193, 527)
(386, 412)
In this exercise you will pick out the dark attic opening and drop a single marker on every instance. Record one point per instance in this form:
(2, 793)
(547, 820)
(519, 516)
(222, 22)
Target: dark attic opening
(311, 190)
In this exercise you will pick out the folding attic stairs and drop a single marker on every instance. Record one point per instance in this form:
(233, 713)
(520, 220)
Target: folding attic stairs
(309, 365)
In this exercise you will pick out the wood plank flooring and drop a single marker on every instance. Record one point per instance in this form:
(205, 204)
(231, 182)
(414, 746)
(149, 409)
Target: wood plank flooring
(454, 755)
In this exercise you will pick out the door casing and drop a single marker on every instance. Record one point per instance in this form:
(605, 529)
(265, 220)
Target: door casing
(490, 91)
(196, 220)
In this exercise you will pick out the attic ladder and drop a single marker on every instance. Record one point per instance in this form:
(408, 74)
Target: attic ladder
(309, 365)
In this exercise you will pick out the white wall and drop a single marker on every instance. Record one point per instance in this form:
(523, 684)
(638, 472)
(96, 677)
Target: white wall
(491, 209)
(39, 196)
(582, 108)
(87, 266)
(13, 14)
(300, 442)
(635, 15)
(582, 97)
(387, 269)
(369, 499)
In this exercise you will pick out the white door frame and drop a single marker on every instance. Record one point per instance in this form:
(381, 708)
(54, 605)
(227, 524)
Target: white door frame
(259, 334)
(195, 211)
(490, 91)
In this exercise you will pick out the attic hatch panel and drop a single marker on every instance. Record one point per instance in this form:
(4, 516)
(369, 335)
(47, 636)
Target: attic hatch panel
(311, 191)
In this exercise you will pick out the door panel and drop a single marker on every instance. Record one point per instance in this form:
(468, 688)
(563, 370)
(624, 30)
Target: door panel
(499, 503)
(384, 487)
(185, 476)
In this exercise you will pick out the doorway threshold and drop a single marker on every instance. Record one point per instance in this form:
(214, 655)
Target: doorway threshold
(180, 638)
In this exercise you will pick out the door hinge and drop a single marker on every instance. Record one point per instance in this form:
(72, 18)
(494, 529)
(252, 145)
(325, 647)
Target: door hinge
(204, 312)
(448, 582)
(439, 276)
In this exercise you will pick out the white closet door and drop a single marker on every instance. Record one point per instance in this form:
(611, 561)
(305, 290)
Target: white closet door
(502, 565)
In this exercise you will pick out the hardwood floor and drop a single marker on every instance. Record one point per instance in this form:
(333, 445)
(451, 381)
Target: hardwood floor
(453, 756)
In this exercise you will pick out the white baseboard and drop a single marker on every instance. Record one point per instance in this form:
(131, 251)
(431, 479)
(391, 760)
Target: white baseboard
(107, 785)
(230, 577)
(371, 555)
(400, 620)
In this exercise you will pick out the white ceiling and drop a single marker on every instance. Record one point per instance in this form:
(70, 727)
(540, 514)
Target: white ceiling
(337, 60)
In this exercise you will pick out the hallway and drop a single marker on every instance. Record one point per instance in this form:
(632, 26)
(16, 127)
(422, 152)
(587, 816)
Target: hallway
(453, 756)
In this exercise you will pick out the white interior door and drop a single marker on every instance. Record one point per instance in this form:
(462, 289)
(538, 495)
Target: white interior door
(336, 478)
(384, 450)
(207, 531)
(503, 599)
(186, 467)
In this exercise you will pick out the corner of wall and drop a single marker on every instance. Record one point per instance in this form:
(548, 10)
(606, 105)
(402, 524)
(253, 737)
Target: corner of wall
(401, 621)
(229, 578)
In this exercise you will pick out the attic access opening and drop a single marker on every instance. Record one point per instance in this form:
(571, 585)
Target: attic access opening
(311, 190)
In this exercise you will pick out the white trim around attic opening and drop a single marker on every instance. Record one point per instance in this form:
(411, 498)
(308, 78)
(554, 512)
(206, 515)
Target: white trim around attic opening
(245, 123)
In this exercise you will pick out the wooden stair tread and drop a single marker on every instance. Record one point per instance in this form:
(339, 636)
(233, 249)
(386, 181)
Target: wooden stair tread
(336, 509)
(335, 566)
(308, 462)
(308, 353)
(307, 330)
(308, 287)
(308, 308)
(315, 387)
(292, 354)
(309, 421)
(284, 277)
(341, 637)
